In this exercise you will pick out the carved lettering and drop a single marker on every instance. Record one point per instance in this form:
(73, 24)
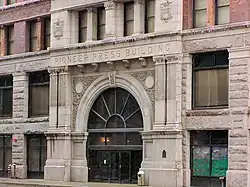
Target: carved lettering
(113, 55)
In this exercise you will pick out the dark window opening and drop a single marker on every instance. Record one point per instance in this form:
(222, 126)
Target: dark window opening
(114, 141)
(47, 33)
(36, 155)
(101, 22)
(128, 18)
(210, 79)
(83, 23)
(33, 36)
(149, 16)
(6, 95)
(209, 158)
(10, 40)
(39, 93)
(5, 154)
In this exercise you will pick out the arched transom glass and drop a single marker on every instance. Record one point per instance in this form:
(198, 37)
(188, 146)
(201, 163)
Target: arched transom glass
(115, 119)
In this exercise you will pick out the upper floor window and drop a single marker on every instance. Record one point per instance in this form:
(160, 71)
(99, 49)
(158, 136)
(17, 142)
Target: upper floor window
(39, 93)
(222, 12)
(47, 33)
(83, 17)
(10, 39)
(1, 2)
(33, 37)
(149, 16)
(101, 20)
(6, 90)
(128, 18)
(10, 2)
(199, 13)
(210, 79)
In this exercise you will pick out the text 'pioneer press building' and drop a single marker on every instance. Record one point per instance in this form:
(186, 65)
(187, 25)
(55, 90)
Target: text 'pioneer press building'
(94, 90)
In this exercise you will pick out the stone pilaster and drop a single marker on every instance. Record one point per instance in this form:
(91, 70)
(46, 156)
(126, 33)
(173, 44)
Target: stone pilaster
(174, 100)
(92, 24)
(110, 7)
(20, 111)
(160, 91)
(239, 81)
(3, 42)
(139, 16)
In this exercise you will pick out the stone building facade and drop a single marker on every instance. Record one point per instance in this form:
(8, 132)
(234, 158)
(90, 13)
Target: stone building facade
(116, 87)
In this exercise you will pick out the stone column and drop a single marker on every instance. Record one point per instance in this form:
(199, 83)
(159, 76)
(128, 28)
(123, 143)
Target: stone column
(239, 81)
(20, 112)
(40, 33)
(110, 27)
(160, 92)
(59, 138)
(92, 24)
(3, 41)
(139, 16)
(174, 100)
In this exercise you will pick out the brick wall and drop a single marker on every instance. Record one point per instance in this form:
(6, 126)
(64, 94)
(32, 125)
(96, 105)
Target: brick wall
(239, 11)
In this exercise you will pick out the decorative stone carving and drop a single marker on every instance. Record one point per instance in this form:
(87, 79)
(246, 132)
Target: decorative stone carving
(79, 87)
(58, 29)
(111, 65)
(62, 69)
(126, 63)
(86, 82)
(112, 78)
(96, 66)
(172, 58)
(109, 5)
(143, 62)
(149, 82)
(81, 68)
(165, 8)
(141, 77)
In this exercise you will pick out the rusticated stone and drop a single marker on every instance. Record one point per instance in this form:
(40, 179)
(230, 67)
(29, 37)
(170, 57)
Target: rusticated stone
(238, 103)
(237, 166)
(238, 86)
(238, 95)
(238, 70)
(238, 149)
(238, 157)
(238, 133)
(238, 78)
(237, 141)
(237, 178)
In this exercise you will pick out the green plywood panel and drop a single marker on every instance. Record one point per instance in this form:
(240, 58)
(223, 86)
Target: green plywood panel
(201, 161)
(219, 161)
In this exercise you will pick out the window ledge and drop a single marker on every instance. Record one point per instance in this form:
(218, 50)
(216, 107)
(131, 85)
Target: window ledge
(6, 120)
(6, 7)
(24, 55)
(216, 28)
(36, 119)
(208, 112)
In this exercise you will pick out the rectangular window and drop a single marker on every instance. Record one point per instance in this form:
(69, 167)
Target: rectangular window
(101, 21)
(33, 36)
(5, 154)
(1, 2)
(10, 2)
(210, 79)
(149, 16)
(10, 39)
(83, 21)
(39, 94)
(6, 90)
(36, 155)
(209, 157)
(128, 18)
(199, 13)
(222, 12)
(1, 41)
(47, 33)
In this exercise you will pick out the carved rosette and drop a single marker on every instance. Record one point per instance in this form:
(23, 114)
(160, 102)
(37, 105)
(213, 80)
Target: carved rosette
(141, 77)
(86, 81)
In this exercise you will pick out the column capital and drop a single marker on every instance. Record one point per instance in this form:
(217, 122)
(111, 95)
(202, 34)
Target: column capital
(110, 4)
(159, 60)
(55, 70)
(173, 58)
(92, 9)
(139, 2)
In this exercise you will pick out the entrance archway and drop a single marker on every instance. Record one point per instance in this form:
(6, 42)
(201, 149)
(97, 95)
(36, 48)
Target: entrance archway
(114, 144)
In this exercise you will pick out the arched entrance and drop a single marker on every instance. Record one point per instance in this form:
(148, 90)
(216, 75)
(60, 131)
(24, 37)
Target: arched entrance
(114, 145)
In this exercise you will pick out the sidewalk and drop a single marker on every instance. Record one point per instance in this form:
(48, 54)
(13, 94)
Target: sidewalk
(6, 182)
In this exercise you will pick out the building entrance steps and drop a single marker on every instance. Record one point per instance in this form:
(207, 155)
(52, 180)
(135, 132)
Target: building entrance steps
(6, 182)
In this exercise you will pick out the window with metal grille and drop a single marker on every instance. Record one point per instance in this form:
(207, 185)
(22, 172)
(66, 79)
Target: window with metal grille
(210, 79)
(39, 93)
(128, 18)
(10, 39)
(101, 22)
(36, 155)
(5, 154)
(83, 21)
(209, 158)
(47, 32)
(6, 95)
(149, 16)
(199, 13)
